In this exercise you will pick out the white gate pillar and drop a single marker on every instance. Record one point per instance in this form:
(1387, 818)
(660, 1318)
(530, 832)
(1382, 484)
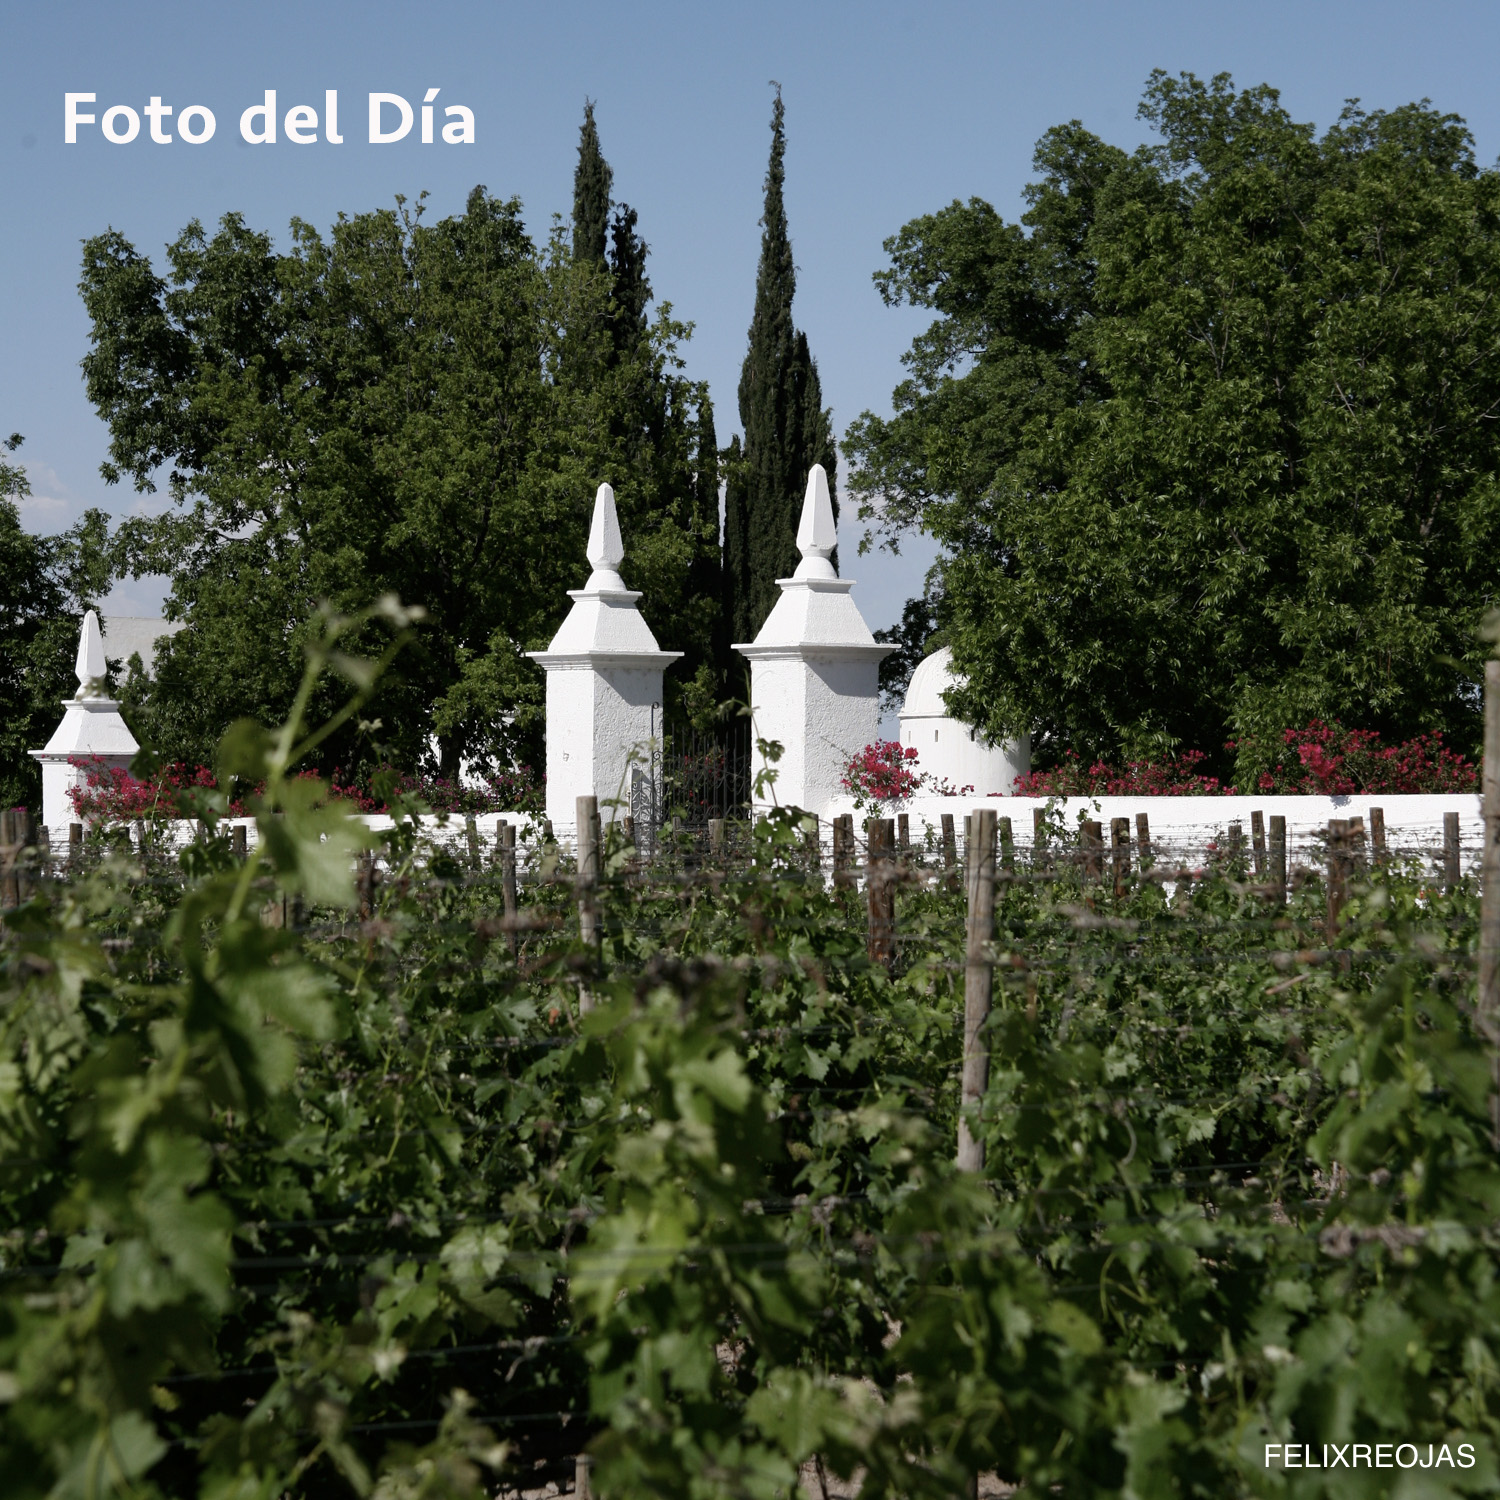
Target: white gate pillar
(604, 684)
(814, 670)
(91, 731)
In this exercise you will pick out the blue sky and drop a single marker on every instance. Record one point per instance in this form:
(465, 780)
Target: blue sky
(892, 111)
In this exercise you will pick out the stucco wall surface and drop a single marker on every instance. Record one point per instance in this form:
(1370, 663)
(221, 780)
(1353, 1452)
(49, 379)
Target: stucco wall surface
(1413, 823)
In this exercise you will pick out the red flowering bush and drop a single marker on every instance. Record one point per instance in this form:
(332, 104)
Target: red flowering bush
(882, 772)
(1323, 759)
(1178, 776)
(110, 794)
(504, 791)
(1326, 758)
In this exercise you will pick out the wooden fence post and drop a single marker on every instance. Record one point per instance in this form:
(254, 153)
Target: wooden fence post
(1356, 844)
(843, 851)
(903, 836)
(1119, 839)
(812, 842)
(587, 820)
(1338, 836)
(1236, 842)
(1258, 843)
(1278, 859)
(978, 981)
(1091, 842)
(1039, 859)
(506, 834)
(471, 835)
(1450, 853)
(239, 845)
(1377, 835)
(75, 843)
(880, 890)
(950, 850)
(1143, 840)
(26, 838)
(1489, 899)
(1007, 848)
(10, 850)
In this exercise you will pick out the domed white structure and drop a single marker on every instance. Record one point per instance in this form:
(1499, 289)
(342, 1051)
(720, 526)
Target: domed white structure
(948, 749)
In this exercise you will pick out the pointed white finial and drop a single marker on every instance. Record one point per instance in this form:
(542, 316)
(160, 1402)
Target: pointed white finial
(90, 666)
(816, 534)
(606, 550)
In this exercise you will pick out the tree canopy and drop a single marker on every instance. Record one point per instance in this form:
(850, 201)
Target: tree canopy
(405, 406)
(1209, 437)
(787, 429)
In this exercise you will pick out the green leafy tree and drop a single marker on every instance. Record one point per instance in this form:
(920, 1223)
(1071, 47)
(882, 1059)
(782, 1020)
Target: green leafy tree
(1210, 441)
(46, 583)
(401, 407)
(787, 429)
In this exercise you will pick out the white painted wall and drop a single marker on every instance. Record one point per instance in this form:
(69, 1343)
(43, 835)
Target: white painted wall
(601, 719)
(821, 710)
(1188, 824)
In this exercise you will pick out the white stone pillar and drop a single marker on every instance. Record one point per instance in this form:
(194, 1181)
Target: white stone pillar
(91, 731)
(604, 685)
(814, 669)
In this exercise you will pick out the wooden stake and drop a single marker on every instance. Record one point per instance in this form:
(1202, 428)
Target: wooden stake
(978, 982)
(1039, 859)
(843, 851)
(1489, 899)
(10, 849)
(1091, 841)
(1377, 833)
(238, 843)
(1338, 890)
(950, 850)
(1119, 839)
(1278, 859)
(75, 843)
(1450, 853)
(587, 818)
(812, 842)
(1258, 843)
(1143, 840)
(880, 890)
(1007, 847)
(506, 834)
(1236, 842)
(26, 836)
(1355, 845)
(903, 835)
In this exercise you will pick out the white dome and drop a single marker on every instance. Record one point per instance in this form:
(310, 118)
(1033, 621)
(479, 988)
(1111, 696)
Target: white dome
(948, 749)
(924, 694)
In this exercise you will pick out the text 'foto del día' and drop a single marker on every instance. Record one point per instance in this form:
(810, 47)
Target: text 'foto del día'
(391, 118)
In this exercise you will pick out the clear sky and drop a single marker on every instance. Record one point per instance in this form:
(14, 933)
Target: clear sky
(892, 111)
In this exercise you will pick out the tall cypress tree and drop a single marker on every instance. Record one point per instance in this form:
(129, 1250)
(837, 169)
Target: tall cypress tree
(592, 181)
(656, 429)
(786, 428)
(632, 290)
